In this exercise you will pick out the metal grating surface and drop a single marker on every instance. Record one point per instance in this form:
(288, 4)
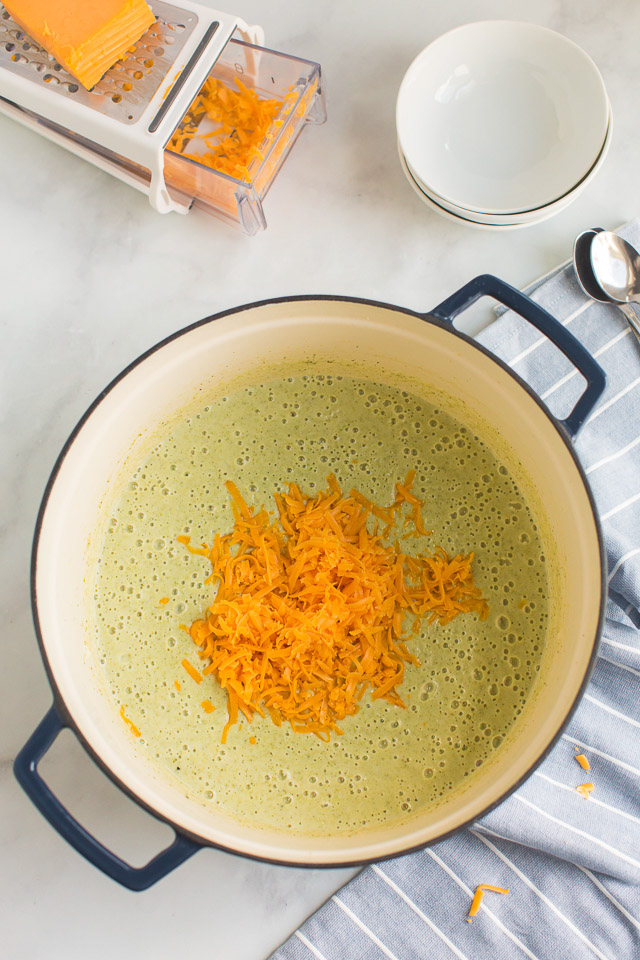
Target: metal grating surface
(127, 88)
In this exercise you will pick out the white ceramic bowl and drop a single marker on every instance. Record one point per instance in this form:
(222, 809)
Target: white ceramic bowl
(454, 217)
(502, 117)
(515, 219)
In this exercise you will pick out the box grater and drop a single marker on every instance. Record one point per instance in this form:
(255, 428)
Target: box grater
(123, 124)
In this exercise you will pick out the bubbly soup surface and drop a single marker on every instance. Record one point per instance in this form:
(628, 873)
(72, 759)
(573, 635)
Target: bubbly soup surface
(474, 676)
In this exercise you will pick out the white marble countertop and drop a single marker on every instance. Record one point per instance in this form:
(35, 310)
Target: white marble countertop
(91, 276)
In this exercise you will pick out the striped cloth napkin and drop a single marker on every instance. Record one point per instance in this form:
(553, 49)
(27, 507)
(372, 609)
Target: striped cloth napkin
(572, 865)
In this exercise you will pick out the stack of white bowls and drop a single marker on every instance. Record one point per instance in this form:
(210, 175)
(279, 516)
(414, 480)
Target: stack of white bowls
(501, 124)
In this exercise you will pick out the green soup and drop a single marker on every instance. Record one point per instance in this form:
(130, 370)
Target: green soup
(474, 676)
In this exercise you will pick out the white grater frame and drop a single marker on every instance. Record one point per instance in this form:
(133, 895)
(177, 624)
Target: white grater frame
(36, 106)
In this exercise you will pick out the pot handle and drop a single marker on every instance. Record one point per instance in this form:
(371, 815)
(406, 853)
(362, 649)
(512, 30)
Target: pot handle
(25, 768)
(488, 285)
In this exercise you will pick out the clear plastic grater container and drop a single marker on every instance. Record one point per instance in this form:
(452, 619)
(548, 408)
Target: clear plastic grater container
(271, 75)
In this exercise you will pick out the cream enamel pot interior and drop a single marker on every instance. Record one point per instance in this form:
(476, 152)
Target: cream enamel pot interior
(422, 351)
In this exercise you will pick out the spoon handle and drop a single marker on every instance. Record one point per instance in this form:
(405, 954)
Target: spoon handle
(632, 317)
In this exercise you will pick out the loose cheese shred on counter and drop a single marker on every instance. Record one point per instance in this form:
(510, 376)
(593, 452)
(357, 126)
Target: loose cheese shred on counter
(129, 723)
(585, 790)
(582, 760)
(163, 601)
(207, 706)
(479, 894)
(246, 125)
(310, 607)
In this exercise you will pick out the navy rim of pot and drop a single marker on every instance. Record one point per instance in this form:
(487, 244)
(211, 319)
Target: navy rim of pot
(59, 703)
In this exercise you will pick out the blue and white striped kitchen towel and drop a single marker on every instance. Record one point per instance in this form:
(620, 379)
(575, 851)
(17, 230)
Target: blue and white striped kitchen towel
(572, 866)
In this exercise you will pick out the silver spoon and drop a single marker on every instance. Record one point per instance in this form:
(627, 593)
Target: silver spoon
(582, 265)
(601, 274)
(616, 266)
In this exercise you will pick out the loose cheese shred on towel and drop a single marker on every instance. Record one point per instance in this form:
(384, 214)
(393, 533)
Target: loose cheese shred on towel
(479, 894)
(585, 790)
(582, 760)
(310, 607)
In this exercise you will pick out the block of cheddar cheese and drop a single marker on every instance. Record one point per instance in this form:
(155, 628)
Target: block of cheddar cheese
(85, 36)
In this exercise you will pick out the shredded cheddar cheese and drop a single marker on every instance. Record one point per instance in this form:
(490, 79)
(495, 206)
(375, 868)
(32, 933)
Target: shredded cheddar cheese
(245, 125)
(585, 790)
(193, 673)
(310, 608)
(207, 706)
(479, 894)
(582, 760)
(129, 723)
(163, 601)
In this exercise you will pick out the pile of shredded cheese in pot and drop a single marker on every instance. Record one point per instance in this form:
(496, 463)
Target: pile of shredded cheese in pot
(310, 607)
(244, 127)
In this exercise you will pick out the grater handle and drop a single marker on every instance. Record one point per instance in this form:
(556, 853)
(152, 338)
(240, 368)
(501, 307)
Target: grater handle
(251, 34)
(254, 35)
